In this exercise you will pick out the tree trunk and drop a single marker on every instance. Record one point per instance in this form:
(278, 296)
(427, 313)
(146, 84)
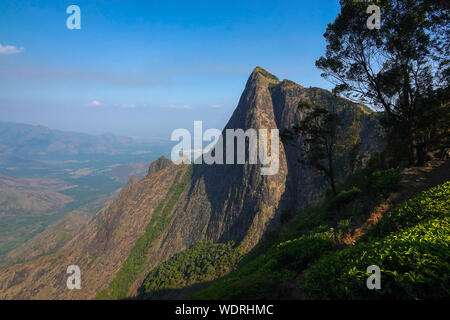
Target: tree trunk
(331, 174)
(333, 185)
(416, 159)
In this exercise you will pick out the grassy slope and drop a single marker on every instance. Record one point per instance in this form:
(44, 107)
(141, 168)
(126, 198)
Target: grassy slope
(410, 245)
(136, 261)
(307, 256)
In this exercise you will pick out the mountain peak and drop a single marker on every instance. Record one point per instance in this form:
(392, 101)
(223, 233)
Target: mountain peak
(159, 164)
(259, 72)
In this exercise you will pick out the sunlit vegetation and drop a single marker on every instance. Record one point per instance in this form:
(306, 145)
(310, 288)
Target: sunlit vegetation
(136, 261)
(308, 258)
(411, 246)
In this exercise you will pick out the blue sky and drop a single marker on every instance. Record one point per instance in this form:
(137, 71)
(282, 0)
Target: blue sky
(144, 68)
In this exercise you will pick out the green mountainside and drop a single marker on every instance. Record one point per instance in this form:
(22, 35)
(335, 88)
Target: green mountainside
(226, 231)
(136, 261)
(309, 256)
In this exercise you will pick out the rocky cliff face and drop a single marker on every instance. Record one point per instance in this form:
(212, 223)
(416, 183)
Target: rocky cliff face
(235, 202)
(220, 202)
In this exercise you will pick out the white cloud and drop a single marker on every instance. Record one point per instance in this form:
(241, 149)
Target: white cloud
(216, 106)
(9, 49)
(94, 103)
(174, 106)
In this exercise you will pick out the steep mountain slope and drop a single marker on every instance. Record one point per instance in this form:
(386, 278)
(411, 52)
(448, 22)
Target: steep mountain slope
(235, 202)
(99, 249)
(180, 205)
(310, 257)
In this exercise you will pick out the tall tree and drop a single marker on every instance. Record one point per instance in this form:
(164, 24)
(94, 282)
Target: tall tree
(400, 68)
(324, 139)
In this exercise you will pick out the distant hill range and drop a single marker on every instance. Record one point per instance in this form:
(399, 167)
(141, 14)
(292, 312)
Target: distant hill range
(46, 173)
(18, 140)
(30, 197)
(176, 206)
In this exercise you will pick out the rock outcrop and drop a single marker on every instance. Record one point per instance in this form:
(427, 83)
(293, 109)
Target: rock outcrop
(159, 164)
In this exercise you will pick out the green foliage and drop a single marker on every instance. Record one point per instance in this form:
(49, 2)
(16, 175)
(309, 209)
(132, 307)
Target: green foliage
(328, 139)
(343, 198)
(319, 133)
(305, 257)
(415, 264)
(333, 217)
(384, 181)
(401, 68)
(136, 261)
(432, 203)
(304, 105)
(374, 181)
(269, 270)
(203, 262)
(411, 246)
(270, 274)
